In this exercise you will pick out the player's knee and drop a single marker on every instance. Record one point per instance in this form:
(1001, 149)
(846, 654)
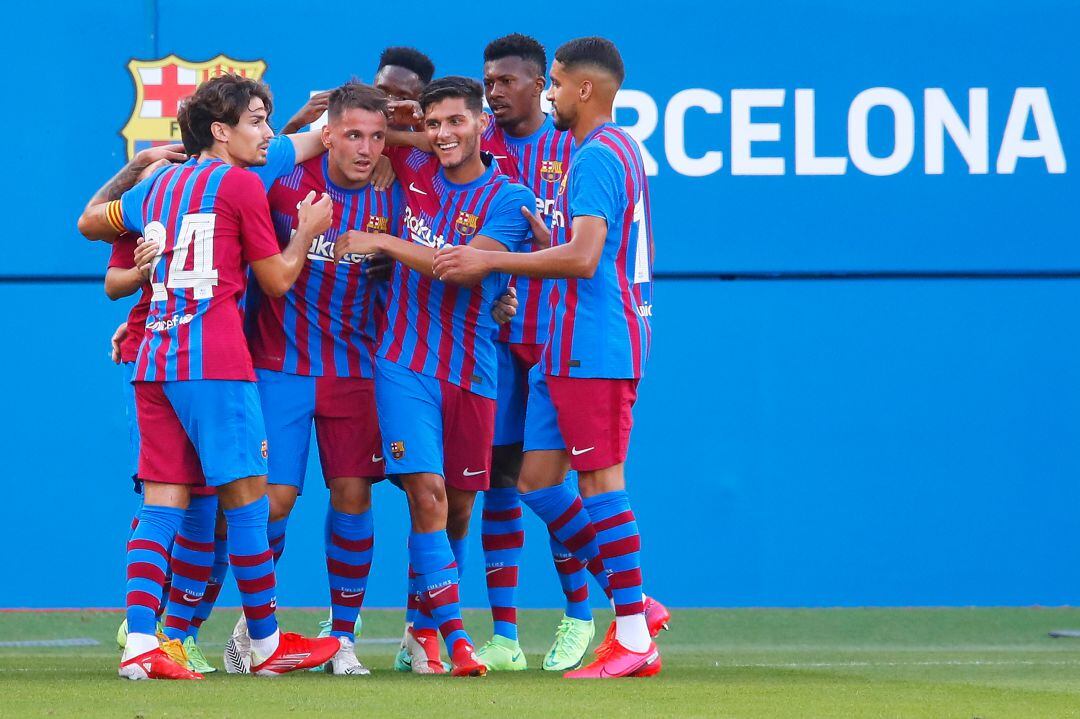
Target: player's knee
(282, 501)
(350, 495)
(427, 496)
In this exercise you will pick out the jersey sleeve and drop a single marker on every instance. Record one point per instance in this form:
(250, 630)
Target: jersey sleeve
(246, 198)
(280, 161)
(597, 187)
(123, 251)
(505, 223)
(131, 203)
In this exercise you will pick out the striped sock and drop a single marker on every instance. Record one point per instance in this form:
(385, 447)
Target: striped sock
(438, 578)
(458, 547)
(275, 536)
(503, 538)
(147, 560)
(191, 563)
(415, 611)
(348, 561)
(213, 587)
(620, 548)
(253, 566)
(561, 509)
(574, 579)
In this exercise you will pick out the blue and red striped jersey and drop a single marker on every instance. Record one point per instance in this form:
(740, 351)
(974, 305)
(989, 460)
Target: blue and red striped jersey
(325, 324)
(211, 220)
(539, 162)
(600, 326)
(439, 329)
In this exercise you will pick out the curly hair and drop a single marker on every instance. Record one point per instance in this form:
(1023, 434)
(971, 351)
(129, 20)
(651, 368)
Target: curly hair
(220, 99)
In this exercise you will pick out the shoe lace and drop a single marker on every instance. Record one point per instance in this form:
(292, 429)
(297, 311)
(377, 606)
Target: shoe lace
(195, 653)
(175, 650)
(564, 629)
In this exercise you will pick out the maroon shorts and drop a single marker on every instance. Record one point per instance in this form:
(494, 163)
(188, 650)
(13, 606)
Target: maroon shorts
(166, 454)
(347, 428)
(590, 418)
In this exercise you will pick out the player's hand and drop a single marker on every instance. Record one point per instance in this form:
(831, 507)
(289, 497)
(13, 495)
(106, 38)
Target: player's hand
(117, 338)
(355, 242)
(379, 267)
(541, 233)
(145, 252)
(170, 153)
(505, 307)
(404, 113)
(152, 168)
(460, 264)
(314, 217)
(309, 113)
(383, 175)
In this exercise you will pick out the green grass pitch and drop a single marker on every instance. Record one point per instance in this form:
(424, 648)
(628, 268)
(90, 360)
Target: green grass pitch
(802, 663)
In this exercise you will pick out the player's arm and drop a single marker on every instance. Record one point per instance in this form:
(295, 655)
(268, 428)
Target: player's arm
(309, 113)
(126, 281)
(277, 273)
(306, 145)
(404, 138)
(578, 258)
(114, 342)
(415, 256)
(102, 220)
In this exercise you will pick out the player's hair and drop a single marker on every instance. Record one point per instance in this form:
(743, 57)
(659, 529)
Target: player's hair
(220, 99)
(453, 86)
(517, 45)
(409, 58)
(596, 51)
(355, 95)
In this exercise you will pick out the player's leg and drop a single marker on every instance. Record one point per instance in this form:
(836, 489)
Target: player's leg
(192, 561)
(168, 466)
(594, 417)
(350, 451)
(218, 570)
(224, 420)
(410, 419)
(576, 629)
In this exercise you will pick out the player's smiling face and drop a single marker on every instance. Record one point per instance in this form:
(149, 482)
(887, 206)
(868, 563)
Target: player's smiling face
(454, 131)
(563, 96)
(249, 138)
(354, 142)
(512, 89)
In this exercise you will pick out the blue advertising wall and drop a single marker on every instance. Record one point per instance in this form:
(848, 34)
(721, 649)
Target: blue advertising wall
(803, 437)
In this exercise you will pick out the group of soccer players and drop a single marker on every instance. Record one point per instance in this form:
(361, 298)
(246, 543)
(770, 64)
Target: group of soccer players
(456, 300)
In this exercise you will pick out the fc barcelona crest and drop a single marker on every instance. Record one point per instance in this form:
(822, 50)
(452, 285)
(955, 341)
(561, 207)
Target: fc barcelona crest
(397, 450)
(377, 223)
(160, 85)
(551, 170)
(466, 223)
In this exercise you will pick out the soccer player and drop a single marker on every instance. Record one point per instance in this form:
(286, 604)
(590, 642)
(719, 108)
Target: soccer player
(435, 370)
(313, 353)
(403, 72)
(582, 392)
(529, 149)
(193, 376)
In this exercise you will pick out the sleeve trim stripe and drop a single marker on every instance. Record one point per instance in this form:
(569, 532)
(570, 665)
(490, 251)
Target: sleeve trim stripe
(115, 216)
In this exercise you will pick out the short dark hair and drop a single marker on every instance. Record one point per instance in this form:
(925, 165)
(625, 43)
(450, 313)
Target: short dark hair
(409, 58)
(453, 86)
(220, 99)
(596, 51)
(517, 45)
(356, 95)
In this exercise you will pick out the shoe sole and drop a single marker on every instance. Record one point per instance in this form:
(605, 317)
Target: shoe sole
(473, 672)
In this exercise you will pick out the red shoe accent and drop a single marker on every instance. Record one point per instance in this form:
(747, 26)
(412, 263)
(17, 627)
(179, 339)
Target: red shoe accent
(464, 661)
(295, 652)
(657, 616)
(621, 662)
(428, 639)
(155, 664)
(603, 649)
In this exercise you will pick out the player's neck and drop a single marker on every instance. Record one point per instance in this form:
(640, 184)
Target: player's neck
(219, 153)
(467, 171)
(587, 123)
(526, 126)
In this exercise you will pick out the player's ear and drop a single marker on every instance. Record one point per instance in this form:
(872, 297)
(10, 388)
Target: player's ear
(539, 84)
(326, 136)
(585, 91)
(220, 131)
(483, 121)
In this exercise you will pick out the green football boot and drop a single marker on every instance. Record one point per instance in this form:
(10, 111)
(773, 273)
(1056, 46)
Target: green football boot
(502, 655)
(572, 640)
(121, 635)
(196, 660)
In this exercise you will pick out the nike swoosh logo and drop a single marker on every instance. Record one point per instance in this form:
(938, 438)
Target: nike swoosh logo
(562, 560)
(516, 657)
(190, 599)
(467, 473)
(414, 188)
(499, 157)
(437, 592)
(575, 451)
(492, 571)
(376, 458)
(350, 595)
